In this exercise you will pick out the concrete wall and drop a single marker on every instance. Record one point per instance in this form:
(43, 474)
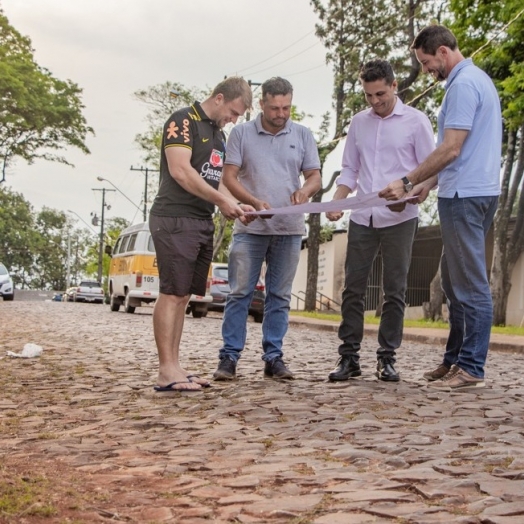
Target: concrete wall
(515, 307)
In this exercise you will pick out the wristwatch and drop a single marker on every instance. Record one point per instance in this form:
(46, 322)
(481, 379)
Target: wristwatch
(408, 186)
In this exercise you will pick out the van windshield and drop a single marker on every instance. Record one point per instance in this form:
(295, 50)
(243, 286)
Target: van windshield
(150, 245)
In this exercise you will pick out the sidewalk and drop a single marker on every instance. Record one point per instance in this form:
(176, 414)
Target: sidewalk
(498, 342)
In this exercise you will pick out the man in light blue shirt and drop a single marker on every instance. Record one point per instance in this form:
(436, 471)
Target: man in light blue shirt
(468, 161)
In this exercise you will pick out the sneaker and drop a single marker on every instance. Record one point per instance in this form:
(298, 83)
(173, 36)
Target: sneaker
(457, 379)
(436, 374)
(227, 369)
(277, 369)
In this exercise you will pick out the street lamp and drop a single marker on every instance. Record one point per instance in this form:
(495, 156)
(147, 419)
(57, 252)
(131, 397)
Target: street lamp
(99, 178)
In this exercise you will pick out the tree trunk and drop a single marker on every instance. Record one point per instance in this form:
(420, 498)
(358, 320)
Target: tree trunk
(433, 308)
(508, 248)
(219, 235)
(313, 243)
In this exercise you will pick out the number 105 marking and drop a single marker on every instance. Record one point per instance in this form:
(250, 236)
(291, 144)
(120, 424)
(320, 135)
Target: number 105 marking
(149, 279)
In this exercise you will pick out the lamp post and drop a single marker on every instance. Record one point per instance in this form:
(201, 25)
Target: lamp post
(100, 179)
(101, 242)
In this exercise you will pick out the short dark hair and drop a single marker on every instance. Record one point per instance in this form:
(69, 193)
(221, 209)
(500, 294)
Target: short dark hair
(432, 37)
(377, 70)
(276, 86)
(232, 88)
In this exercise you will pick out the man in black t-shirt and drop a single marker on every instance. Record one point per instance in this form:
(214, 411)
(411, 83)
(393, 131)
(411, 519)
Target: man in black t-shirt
(192, 157)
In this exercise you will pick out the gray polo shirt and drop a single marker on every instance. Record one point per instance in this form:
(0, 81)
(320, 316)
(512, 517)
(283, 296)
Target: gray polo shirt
(270, 168)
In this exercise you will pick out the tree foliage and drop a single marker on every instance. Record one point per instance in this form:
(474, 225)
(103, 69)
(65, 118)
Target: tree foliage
(39, 114)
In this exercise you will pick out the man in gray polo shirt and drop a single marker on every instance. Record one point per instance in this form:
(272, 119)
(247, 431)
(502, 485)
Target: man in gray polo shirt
(264, 161)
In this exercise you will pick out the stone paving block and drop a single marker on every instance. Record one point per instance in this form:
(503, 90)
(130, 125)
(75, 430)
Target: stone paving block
(291, 503)
(505, 509)
(376, 494)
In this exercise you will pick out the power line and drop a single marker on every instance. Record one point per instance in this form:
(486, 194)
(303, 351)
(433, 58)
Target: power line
(287, 59)
(305, 70)
(276, 54)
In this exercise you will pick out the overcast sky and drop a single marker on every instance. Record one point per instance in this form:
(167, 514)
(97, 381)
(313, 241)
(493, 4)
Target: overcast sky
(113, 48)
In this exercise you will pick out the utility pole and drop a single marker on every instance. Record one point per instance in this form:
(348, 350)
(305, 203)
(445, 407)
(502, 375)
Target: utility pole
(101, 243)
(251, 84)
(145, 170)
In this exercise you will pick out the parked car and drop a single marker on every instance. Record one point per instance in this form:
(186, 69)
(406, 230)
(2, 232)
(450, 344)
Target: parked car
(220, 290)
(88, 291)
(7, 288)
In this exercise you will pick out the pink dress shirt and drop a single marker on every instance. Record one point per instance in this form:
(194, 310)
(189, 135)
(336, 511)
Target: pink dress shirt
(380, 150)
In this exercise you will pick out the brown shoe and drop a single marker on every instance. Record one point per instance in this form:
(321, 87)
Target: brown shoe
(457, 379)
(436, 374)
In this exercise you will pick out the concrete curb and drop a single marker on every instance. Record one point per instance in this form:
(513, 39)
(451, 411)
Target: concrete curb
(439, 337)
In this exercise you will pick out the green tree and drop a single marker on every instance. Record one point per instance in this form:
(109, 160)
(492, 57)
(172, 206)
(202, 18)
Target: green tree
(494, 33)
(50, 250)
(18, 237)
(39, 114)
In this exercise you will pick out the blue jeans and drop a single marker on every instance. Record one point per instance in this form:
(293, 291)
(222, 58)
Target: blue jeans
(464, 223)
(248, 252)
(395, 243)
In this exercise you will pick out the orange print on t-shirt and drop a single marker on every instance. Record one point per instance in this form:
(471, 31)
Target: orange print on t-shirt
(172, 130)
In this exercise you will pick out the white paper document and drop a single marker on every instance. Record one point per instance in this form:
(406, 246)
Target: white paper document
(344, 204)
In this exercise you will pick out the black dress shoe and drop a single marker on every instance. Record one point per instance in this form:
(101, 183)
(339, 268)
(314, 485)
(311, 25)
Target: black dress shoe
(385, 369)
(347, 367)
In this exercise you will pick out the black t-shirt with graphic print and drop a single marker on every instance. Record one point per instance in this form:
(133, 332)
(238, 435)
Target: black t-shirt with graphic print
(191, 128)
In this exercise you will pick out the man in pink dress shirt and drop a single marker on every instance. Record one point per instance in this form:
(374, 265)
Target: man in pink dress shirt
(383, 143)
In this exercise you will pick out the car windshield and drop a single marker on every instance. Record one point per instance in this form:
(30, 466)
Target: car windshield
(90, 284)
(3, 270)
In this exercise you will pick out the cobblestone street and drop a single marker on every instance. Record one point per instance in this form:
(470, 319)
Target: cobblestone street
(84, 419)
